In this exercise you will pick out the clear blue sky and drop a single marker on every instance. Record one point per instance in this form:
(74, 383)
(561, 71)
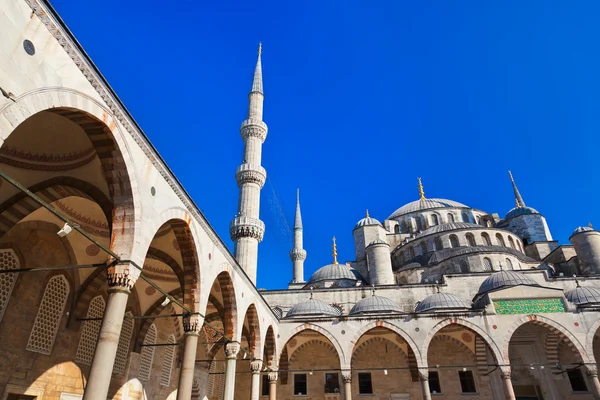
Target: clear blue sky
(361, 98)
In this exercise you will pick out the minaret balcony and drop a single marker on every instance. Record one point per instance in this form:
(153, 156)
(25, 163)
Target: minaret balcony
(298, 254)
(243, 226)
(254, 128)
(250, 173)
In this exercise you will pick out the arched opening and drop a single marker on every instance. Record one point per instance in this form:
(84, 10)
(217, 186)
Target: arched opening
(486, 239)
(470, 239)
(438, 243)
(423, 247)
(397, 229)
(500, 240)
(463, 267)
(251, 343)
(454, 241)
(450, 218)
(434, 220)
(511, 242)
(509, 264)
(487, 264)
(465, 217)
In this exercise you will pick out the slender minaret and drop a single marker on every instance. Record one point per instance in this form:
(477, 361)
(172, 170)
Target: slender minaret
(518, 198)
(298, 254)
(246, 229)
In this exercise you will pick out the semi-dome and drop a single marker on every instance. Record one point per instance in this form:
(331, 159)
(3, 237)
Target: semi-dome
(312, 307)
(378, 241)
(375, 304)
(335, 272)
(515, 212)
(583, 296)
(425, 204)
(443, 302)
(502, 279)
(582, 229)
(367, 221)
(448, 227)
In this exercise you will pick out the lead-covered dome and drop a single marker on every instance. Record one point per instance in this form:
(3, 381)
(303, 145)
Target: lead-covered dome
(425, 204)
(443, 302)
(333, 272)
(312, 307)
(502, 279)
(367, 221)
(375, 304)
(448, 227)
(582, 229)
(583, 296)
(515, 212)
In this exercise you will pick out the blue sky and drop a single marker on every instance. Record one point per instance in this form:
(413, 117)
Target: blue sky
(361, 98)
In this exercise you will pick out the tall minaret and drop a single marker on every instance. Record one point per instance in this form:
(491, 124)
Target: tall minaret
(298, 254)
(518, 198)
(246, 230)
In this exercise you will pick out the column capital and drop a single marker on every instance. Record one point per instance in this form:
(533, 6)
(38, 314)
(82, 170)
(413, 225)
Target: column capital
(256, 366)
(272, 377)
(592, 370)
(423, 374)
(231, 350)
(192, 324)
(347, 376)
(121, 277)
(505, 372)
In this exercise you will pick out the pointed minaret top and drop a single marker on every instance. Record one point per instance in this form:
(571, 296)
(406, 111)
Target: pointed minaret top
(257, 85)
(367, 216)
(335, 261)
(298, 219)
(518, 198)
(421, 191)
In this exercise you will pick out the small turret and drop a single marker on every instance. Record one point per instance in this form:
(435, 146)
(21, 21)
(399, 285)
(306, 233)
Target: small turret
(298, 254)
(380, 263)
(586, 242)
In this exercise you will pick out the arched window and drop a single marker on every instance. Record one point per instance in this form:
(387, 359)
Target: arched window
(464, 267)
(486, 239)
(404, 227)
(423, 246)
(509, 264)
(453, 241)
(124, 341)
(438, 244)
(147, 355)
(49, 315)
(478, 220)
(420, 224)
(434, 220)
(8, 260)
(488, 223)
(470, 239)
(167, 365)
(411, 251)
(500, 240)
(465, 217)
(487, 265)
(397, 229)
(511, 242)
(450, 218)
(519, 246)
(90, 332)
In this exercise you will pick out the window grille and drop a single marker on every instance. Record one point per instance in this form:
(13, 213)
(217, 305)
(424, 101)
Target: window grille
(147, 355)
(90, 332)
(8, 260)
(124, 342)
(165, 375)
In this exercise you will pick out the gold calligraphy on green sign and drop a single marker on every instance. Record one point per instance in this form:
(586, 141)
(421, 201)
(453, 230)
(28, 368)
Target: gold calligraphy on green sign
(529, 306)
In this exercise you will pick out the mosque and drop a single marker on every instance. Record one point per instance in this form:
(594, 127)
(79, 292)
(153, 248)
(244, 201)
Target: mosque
(113, 284)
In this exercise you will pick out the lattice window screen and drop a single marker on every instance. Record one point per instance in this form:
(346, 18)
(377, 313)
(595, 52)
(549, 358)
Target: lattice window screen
(124, 341)
(8, 260)
(147, 355)
(90, 332)
(165, 375)
(49, 315)
(216, 380)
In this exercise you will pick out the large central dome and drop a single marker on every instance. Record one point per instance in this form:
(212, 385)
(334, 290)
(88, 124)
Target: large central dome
(425, 204)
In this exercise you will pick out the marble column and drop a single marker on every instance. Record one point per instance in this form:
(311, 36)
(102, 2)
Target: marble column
(347, 379)
(255, 367)
(507, 381)
(231, 351)
(424, 378)
(191, 326)
(272, 385)
(120, 282)
(592, 371)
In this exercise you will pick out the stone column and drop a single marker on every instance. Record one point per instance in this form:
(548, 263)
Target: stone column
(231, 351)
(508, 388)
(272, 385)
(424, 378)
(255, 367)
(592, 371)
(347, 379)
(120, 282)
(191, 326)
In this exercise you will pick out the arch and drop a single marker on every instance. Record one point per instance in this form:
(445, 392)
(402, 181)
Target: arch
(254, 335)
(470, 239)
(411, 252)
(487, 264)
(167, 364)
(90, 331)
(553, 327)
(509, 264)
(230, 316)
(465, 217)
(589, 339)
(434, 220)
(423, 247)
(486, 239)
(270, 350)
(500, 240)
(454, 241)
(396, 228)
(511, 242)
(450, 218)
(322, 331)
(463, 266)
(437, 242)
(147, 354)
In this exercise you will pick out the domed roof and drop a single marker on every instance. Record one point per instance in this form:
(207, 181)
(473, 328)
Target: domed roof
(366, 222)
(312, 307)
(515, 212)
(425, 204)
(378, 241)
(583, 295)
(505, 279)
(442, 301)
(582, 229)
(335, 271)
(448, 227)
(375, 304)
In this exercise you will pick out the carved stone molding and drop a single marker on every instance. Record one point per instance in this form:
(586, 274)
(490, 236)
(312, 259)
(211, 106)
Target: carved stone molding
(231, 350)
(256, 366)
(298, 254)
(254, 128)
(347, 376)
(243, 226)
(272, 377)
(121, 277)
(191, 324)
(249, 173)
(505, 372)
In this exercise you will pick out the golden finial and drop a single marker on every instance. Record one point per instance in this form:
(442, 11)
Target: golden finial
(367, 213)
(334, 251)
(517, 203)
(259, 48)
(421, 192)
(590, 225)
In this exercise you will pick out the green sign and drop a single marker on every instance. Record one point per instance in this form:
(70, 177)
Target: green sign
(528, 306)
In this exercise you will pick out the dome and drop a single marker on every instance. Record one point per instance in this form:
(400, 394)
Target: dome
(375, 304)
(366, 222)
(502, 279)
(582, 229)
(334, 272)
(442, 301)
(312, 307)
(582, 295)
(378, 241)
(515, 212)
(425, 204)
(448, 227)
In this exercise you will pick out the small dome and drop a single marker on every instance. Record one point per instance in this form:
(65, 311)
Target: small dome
(378, 241)
(448, 227)
(583, 295)
(375, 304)
(515, 212)
(502, 279)
(366, 222)
(312, 307)
(334, 272)
(443, 301)
(582, 229)
(425, 204)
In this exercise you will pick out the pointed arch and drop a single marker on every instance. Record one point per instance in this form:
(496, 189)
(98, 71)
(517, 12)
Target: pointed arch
(147, 354)
(230, 315)
(254, 334)
(167, 364)
(270, 348)
(311, 327)
(90, 331)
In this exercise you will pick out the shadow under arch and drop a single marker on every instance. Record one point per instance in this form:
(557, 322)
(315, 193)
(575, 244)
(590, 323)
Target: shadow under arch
(270, 349)
(253, 331)
(322, 331)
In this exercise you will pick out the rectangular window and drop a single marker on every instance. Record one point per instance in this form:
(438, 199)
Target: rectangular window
(467, 381)
(434, 382)
(265, 385)
(300, 385)
(577, 380)
(332, 384)
(365, 385)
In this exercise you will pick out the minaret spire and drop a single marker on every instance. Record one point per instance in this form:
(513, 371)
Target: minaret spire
(335, 261)
(246, 229)
(421, 191)
(298, 254)
(518, 198)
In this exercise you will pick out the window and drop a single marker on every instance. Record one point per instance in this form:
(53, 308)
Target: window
(365, 385)
(577, 380)
(123, 348)
(420, 223)
(487, 264)
(511, 242)
(509, 264)
(423, 246)
(519, 246)
(90, 332)
(438, 244)
(397, 229)
(465, 217)
(265, 385)
(486, 239)
(453, 241)
(470, 239)
(464, 267)
(434, 219)
(169, 355)
(300, 385)
(147, 354)
(332, 384)
(450, 218)
(8, 260)
(478, 220)
(467, 381)
(434, 382)
(500, 240)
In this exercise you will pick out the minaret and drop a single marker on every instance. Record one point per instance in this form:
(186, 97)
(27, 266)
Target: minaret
(246, 230)
(518, 198)
(298, 254)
